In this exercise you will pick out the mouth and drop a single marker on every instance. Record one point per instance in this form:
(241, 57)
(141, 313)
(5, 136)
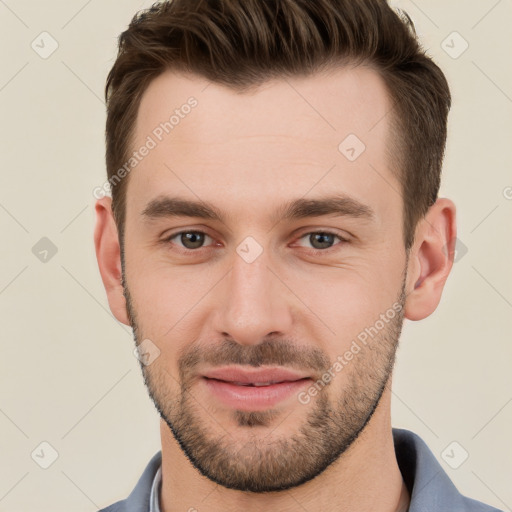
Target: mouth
(254, 389)
(255, 376)
(257, 384)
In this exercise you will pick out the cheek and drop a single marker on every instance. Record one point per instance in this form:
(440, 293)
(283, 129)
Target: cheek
(169, 304)
(161, 289)
(344, 301)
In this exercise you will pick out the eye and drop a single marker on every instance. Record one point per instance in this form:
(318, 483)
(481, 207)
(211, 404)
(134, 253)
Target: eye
(190, 240)
(322, 241)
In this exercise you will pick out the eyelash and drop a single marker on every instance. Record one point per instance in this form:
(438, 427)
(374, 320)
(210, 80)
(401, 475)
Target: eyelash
(312, 251)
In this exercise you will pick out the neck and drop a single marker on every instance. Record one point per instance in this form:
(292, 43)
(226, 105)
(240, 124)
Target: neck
(365, 478)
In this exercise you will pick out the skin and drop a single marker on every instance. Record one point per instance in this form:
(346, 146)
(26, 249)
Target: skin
(248, 154)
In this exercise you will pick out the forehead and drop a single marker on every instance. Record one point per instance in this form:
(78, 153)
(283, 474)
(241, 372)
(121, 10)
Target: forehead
(282, 140)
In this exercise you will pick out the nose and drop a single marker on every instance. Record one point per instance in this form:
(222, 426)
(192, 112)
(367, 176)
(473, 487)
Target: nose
(253, 303)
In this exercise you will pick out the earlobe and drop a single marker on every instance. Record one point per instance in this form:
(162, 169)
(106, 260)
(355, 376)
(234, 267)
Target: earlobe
(108, 255)
(431, 259)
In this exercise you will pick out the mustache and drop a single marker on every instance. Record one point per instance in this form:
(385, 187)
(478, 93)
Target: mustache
(267, 353)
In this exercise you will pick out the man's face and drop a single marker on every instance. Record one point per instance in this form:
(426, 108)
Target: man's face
(256, 289)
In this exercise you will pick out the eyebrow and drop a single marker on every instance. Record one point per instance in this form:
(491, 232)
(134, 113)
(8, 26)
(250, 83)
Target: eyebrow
(339, 205)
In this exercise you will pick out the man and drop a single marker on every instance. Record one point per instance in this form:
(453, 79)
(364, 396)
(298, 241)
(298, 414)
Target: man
(274, 169)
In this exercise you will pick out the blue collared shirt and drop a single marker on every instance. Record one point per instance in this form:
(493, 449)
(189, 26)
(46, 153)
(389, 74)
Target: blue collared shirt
(430, 488)
(154, 497)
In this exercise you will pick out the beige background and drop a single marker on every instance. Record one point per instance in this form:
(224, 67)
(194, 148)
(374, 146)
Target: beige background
(67, 372)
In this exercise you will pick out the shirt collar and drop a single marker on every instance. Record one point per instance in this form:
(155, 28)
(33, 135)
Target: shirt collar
(154, 498)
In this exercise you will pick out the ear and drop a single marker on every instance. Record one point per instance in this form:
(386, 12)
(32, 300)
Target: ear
(431, 259)
(108, 254)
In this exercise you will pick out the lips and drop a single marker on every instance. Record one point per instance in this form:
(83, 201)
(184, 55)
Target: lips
(254, 389)
(257, 377)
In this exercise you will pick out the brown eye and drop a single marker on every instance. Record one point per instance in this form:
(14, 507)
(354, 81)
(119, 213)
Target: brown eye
(189, 239)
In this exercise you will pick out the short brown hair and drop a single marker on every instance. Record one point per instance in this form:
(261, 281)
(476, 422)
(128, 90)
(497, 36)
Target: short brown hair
(243, 43)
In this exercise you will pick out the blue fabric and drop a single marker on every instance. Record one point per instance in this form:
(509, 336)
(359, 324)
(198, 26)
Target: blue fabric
(430, 487)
